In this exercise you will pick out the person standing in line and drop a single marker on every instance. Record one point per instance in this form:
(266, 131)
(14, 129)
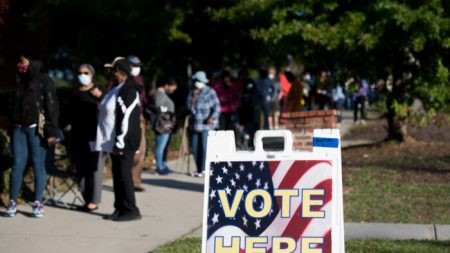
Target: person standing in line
(163, 121)
(34, 121)
(228, 94)
(82, 116)
(118, 133)
(295, 98)
(359, 100)
(339, 99)
(285, 86)
(204, 107)
(263, 84)
(274, 103)
(139, 157)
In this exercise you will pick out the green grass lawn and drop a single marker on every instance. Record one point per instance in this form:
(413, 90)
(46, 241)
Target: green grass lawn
(380, 195)
(192, 245)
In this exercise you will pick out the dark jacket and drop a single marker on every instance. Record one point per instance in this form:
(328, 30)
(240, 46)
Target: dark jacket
(27, 102)
(128, 113)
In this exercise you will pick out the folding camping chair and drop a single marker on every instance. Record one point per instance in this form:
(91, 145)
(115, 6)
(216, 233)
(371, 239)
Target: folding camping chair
(62, 183)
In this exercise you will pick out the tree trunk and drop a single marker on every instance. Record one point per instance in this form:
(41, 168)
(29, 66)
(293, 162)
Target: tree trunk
(397, 127)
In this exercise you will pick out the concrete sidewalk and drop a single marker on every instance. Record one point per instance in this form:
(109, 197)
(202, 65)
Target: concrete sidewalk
(171, 207)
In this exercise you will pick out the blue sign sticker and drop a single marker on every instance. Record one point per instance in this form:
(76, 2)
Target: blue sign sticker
(325, 142)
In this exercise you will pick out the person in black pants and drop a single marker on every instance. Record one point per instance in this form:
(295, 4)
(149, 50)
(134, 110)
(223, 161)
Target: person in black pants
(126, 143)
(82, 116)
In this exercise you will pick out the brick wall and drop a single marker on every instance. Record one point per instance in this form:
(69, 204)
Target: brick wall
(302, 125)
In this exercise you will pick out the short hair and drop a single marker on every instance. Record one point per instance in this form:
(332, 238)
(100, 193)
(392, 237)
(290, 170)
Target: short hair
(164, 80)
(88, 66)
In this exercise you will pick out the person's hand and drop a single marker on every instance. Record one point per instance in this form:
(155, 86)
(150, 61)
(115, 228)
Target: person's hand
(96, 92)
(118, 151)
(210, 121)
(51, 140)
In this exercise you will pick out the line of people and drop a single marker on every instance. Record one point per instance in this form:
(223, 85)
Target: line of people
(103, 122)
(113, 121)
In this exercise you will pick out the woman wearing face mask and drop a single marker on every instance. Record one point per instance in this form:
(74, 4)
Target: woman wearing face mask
(204, 107)
(83, 113)
(163, 106)
(34, 118)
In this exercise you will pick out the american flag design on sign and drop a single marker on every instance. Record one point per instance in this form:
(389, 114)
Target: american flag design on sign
(268, 176)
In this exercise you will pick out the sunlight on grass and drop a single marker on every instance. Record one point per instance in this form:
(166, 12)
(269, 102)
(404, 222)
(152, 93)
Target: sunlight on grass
(192, 245)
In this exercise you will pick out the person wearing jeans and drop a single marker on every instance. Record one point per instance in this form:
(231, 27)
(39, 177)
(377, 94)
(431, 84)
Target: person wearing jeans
(204, 107)
(34, 121)
(162, 141)
(199, 141)
(26, 141)
(162, 105)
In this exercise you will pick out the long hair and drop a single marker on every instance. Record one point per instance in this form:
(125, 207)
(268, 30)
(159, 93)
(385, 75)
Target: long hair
(27, 89)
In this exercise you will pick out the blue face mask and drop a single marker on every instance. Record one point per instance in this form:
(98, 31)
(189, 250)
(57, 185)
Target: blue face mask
(84, 79)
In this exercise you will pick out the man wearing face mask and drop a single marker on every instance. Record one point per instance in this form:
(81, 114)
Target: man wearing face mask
(138, 162)
(204, 107)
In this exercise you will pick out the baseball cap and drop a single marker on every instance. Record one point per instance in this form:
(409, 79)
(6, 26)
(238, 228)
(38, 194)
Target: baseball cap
(134, 60)
(111, 65)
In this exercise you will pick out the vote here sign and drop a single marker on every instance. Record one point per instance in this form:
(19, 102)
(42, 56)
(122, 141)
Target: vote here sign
(277, 206)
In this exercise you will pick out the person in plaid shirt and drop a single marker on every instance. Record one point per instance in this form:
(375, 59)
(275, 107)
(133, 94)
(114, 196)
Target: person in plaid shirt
(204, 107)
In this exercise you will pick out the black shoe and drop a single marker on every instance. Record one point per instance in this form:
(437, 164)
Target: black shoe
(139, 189)
(111, 216)
(128, 217)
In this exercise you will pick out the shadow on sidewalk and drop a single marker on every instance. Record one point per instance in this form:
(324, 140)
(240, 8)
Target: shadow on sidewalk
(170, 183)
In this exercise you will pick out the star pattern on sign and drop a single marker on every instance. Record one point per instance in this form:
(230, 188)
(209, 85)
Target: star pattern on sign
(258, 223)
(215, 219)
(212, 194)
(225, 170)
(246, 176)
(228, 190)
(245, 221)
(258, 183)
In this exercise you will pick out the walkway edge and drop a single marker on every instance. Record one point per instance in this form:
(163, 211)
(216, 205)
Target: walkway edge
(386, 231)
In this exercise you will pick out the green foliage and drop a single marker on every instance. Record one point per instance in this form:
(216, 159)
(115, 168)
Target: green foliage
(371, 38)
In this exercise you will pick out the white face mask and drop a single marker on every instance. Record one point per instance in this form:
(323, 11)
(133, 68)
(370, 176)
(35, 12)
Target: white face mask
(307, 77)
(135, 71)
(199, 85)
(271, 76)
(84, 79)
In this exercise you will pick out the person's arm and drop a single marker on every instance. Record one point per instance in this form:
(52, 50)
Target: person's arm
(51, 108)
(214, 104)
(127, 102)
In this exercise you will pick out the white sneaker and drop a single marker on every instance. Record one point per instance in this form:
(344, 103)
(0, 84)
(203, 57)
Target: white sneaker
(12, 209)
(199, 174)
(38, 210)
